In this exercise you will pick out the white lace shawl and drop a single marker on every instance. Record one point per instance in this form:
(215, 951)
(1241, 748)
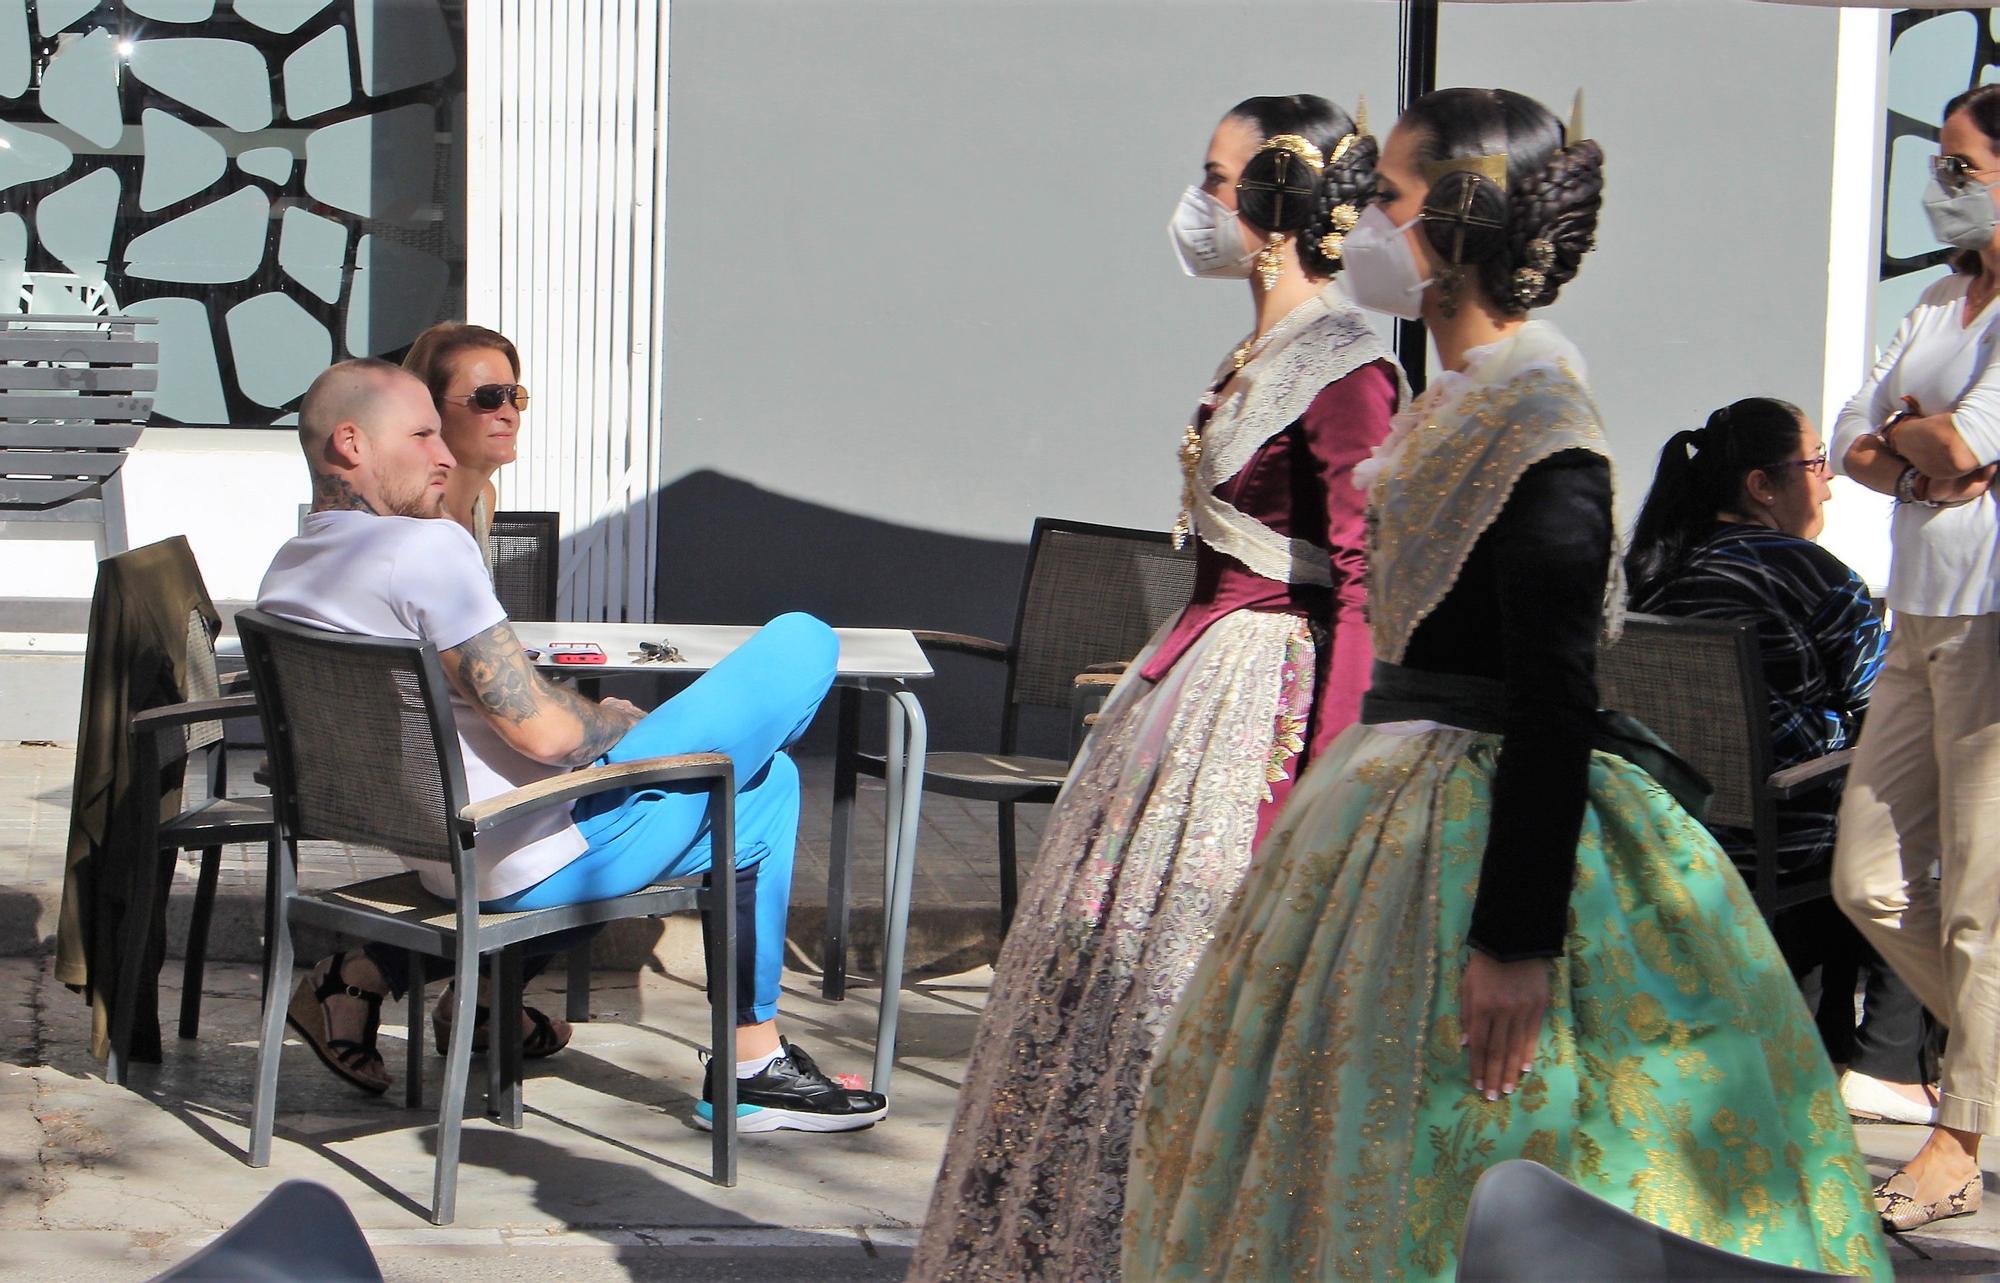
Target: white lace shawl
(1319, 342)
(1449, 466)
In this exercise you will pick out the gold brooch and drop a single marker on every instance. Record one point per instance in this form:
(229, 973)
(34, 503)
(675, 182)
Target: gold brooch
(1343, 217)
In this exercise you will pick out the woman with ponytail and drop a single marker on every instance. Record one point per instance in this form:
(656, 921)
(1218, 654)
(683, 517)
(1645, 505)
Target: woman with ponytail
(1202, 738)
(1727, 533)
(1480, 931)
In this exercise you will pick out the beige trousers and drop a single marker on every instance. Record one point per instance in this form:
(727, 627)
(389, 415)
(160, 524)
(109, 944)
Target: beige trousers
(1924, 789)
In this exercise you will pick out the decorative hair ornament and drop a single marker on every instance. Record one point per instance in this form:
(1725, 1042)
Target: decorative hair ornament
(1297, 146)
(1361, 114)
(1343, 217)
(1531, 278)
(1492, 168)
(1464, 205)
(1576, 117)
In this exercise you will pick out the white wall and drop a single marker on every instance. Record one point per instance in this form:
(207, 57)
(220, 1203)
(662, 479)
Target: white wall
(918, 267)
(234, 492)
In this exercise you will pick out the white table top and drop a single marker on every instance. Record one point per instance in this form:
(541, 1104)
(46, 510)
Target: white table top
(888, 654)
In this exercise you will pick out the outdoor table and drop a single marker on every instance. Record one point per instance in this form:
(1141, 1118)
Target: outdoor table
(871, 659)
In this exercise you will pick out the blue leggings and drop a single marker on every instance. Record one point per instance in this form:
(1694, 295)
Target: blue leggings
(761, 697)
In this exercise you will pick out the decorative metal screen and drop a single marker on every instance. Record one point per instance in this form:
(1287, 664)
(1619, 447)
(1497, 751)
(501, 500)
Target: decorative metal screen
(279, 182)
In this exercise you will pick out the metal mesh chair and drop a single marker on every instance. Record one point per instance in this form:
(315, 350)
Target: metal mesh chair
(165, 741)
(1699, 684)
(521, 554)
(364, 749)
(1525, 1222)
(1093, 596)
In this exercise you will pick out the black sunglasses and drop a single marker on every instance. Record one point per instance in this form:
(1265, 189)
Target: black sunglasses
(1953, 171)
(489, 397)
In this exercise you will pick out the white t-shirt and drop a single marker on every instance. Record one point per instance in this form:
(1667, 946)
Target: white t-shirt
(353, 572)
(1943, 561)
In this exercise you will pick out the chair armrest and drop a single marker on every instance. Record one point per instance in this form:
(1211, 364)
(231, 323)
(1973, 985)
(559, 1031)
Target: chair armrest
(1116, 668)
(200, 710)
(1806, 776)
(962, 643)
(560, 789)
(1096, 679)
(237, 684)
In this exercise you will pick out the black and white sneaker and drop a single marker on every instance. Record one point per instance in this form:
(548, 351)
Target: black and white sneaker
(792, 1094)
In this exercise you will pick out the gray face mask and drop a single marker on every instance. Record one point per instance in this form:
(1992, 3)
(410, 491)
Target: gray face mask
(1962, 219)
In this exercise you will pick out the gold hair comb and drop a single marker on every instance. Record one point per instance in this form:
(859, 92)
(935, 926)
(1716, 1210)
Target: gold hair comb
(1492, 168)
(1297, 146)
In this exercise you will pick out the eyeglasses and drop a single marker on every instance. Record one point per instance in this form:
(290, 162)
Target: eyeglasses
(1954, 172)
(1815, 464)
(489, 397)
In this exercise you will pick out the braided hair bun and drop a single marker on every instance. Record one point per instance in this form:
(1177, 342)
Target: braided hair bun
(1345, 189)
(1281, 190)
(1552, 224)
(1524, 240)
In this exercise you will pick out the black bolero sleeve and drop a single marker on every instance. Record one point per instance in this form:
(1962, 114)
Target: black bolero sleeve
(1527, 609)
(1551, 549)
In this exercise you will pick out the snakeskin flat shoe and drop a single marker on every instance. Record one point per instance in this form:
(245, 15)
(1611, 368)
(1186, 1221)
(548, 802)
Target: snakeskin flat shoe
(1895, 1200)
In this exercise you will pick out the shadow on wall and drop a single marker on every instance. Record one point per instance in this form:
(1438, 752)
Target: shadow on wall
(733, 553)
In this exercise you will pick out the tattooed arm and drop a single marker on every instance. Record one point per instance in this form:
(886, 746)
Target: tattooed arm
(537, 718)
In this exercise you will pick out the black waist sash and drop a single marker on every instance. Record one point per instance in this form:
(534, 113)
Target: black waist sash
(1399, 694)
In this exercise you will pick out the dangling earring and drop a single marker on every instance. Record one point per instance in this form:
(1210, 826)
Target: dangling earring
(1448, 282)
(1271, 260)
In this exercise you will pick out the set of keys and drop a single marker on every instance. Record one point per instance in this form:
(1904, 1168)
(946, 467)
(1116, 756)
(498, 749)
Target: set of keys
(659, 652)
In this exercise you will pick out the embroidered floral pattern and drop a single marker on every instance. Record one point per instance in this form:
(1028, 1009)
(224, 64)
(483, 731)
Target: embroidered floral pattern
(1449, 464)
(1295, 696)
(1309, 1113)
(1147, 844)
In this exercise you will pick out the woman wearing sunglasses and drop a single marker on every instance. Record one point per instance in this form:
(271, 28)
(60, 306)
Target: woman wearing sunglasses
(1924, 791)
(1727, 533)
(474, 375)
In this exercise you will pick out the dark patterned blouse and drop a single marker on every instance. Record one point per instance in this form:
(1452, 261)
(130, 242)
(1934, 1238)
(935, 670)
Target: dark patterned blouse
(1822, 644)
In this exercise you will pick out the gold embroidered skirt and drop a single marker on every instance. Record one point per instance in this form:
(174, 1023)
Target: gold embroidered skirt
(1148, 841)
(1310, 1113)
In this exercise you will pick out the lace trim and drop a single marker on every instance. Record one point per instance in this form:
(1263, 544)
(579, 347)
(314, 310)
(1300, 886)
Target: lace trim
(1450, 470)
(1321, 341)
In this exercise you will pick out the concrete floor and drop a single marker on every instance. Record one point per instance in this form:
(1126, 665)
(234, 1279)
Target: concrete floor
(607, 1178)
(607, 1175)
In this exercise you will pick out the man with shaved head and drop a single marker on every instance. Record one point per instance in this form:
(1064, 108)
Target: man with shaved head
(373, 558)
(370, 421)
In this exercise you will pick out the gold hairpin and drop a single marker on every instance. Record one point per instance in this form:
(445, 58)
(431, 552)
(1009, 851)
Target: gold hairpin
(1576, 117)
(1297, 146)
(1361, 114)
(1492, 168)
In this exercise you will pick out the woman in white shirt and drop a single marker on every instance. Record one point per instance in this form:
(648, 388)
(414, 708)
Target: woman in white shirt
(1925, 787)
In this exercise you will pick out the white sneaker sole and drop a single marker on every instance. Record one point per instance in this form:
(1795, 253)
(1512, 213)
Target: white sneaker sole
(761, 1118)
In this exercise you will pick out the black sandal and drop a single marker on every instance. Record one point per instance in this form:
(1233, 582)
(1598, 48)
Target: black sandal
(357, 1062)
(538, 1040)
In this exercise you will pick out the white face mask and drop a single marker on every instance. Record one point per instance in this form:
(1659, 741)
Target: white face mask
(1381, 272)
(1208, 239)
(1963, 217)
